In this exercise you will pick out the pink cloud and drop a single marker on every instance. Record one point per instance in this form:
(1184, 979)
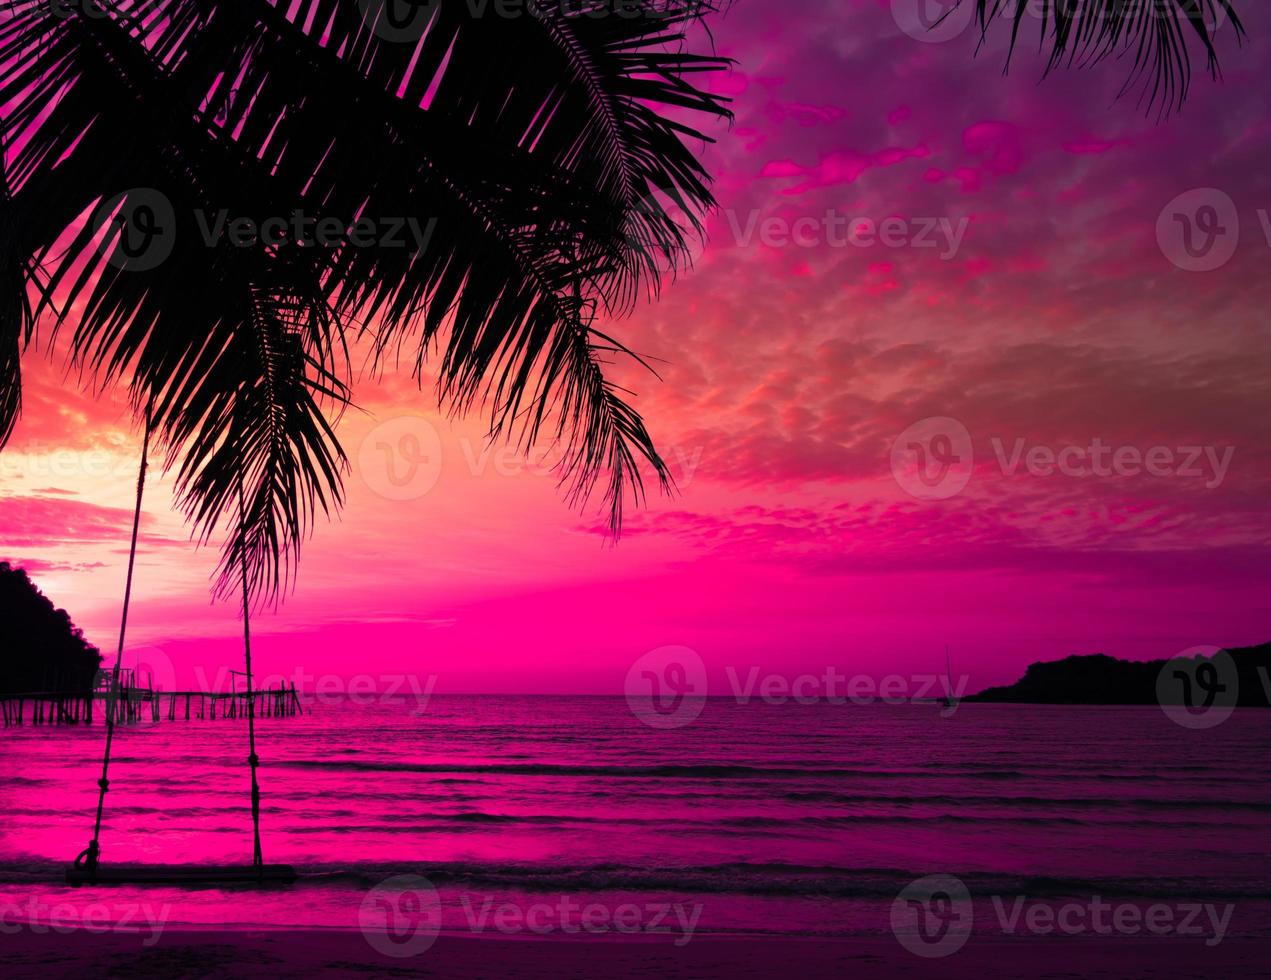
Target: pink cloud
(843, 167)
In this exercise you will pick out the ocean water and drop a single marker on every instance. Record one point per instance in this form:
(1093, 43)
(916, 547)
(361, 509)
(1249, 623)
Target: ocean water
(757, 818)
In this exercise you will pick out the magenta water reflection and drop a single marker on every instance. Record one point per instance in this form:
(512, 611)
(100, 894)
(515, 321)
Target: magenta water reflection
(522, 812)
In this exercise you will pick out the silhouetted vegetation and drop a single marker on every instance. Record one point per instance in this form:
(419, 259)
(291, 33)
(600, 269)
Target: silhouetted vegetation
(40, 648)
(1100, 679)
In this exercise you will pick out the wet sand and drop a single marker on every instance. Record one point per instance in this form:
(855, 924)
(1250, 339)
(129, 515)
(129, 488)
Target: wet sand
(334, 953)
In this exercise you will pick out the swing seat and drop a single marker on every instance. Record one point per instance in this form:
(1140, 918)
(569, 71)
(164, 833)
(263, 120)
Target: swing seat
(181, 874)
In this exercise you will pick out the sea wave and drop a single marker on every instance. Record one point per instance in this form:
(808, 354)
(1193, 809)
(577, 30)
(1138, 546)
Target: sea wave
(704, 771)
(743, 878)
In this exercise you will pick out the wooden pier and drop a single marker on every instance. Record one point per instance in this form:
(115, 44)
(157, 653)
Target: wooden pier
(132, 705)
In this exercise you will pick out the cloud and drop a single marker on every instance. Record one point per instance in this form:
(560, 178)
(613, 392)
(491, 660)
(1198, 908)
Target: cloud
(33, 522)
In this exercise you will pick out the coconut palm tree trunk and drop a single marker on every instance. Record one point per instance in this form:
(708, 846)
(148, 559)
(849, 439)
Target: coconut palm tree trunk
(252, 760)
(90, 855)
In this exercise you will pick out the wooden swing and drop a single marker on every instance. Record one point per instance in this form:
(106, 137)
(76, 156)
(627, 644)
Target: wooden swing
(87, 868)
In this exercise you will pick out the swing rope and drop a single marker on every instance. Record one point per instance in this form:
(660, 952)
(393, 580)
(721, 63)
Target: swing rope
(252, 759)
(91, 853)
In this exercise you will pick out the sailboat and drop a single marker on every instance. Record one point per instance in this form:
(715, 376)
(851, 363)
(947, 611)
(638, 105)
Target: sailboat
(947, 700)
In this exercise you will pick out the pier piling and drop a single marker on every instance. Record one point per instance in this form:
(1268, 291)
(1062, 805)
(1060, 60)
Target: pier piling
(129, 704)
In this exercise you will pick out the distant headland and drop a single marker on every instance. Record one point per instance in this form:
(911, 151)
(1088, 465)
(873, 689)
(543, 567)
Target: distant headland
(1100, 679)
(42, 650)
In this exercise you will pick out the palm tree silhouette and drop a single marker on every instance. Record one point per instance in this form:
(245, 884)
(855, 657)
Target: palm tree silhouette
(495, 178)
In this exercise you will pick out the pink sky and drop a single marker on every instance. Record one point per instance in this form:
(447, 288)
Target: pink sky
(788, 372)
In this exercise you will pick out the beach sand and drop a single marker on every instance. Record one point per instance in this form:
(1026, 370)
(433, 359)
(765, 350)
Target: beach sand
(335, 953)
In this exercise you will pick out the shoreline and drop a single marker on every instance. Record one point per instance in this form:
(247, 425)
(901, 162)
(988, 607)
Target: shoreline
(340, 952)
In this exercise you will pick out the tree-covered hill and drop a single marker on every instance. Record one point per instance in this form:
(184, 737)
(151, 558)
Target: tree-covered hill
(40, 648)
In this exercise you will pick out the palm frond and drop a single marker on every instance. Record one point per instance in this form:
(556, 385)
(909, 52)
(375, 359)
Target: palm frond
(16, 317)
(534, 159)
(263, 436)
(1155, 36)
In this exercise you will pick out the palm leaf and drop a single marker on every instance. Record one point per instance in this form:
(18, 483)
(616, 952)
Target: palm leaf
(1153, 35)
(266, 439)
(16, 317)
(537, 152)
